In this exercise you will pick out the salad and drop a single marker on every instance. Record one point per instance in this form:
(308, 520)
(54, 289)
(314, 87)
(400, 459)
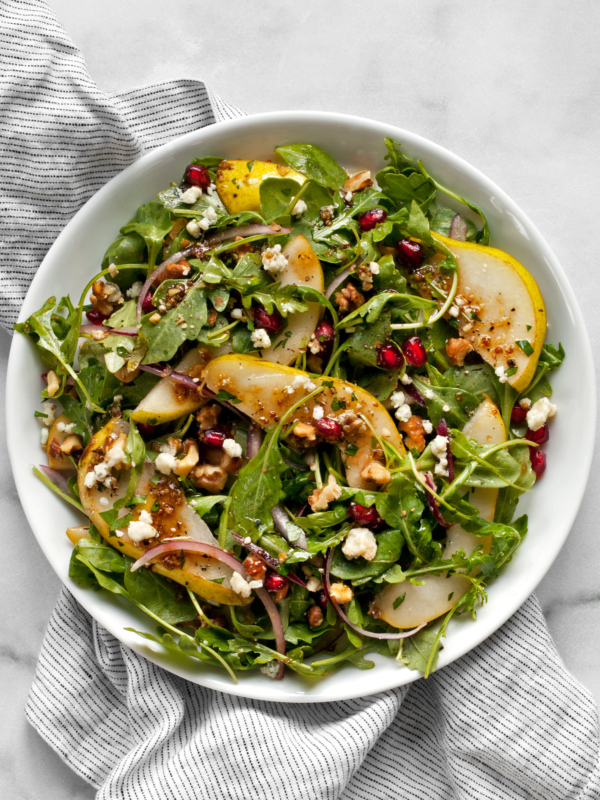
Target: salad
(297, 408)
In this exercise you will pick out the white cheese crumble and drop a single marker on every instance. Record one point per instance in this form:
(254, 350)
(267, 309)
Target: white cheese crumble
(445, 408)
(210, 214)
(49, 409)
(404, 413)
(113, 271)
(374, 268)
(539, 413)
(241, 586)
(193, 228)
(360, 542)
(525, 403)
(260, 338)
(104, 501)
(204, 223)
(237, 313)
(439, 448)
(232, 448)
(427, 426)
(191, 195)
(44, 436)
(314, 345)
(299, 208)
(142, 528)
(112, 292)
(500, 373)
(348, 197)
(318, 412)
(453, 311)
(406, 379)
(135, 289)
(429, 395)
(397, 399)
(65, 427)
(313, 584)
(303, 382)
(274, 261)
(165, 463)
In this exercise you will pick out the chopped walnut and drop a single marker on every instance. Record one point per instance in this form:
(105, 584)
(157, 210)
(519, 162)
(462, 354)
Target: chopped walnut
(357, 182)
(254, 567)
(189, 461)
(376, 472)
(457, 349)
(211, 479)
(212, 317)
(304, 431)
(341, 593)
(53, 383)
(365, 273)
(350, 422)
(229, 464)
(327, 213)
(414, 431)
(319, 500)
(172, 271)
(349, 299)
(208, 417)
(105, 296)
(281, 593)
(71, 444)
(314, 615)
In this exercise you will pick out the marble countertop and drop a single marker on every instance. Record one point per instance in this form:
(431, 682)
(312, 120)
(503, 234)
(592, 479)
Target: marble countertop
(510, 87)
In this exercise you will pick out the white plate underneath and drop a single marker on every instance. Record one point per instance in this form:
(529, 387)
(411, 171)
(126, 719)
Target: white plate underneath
(355, 143)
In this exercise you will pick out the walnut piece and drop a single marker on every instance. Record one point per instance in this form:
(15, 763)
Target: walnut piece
(71, 444)
(415, 433)
(349, 299)
(105, 297)
(358, 181)
(304, 431)
(341, 593)
(189, 461)
(350, 422)
(53, 383)
(254, 567)
(319, 500)
(376, 472)
(211, 479)
(457, 349)
(208, 417)
(314, 615)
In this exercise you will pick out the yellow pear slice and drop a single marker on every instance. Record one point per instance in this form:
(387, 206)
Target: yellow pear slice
(303, 269)
(198, 572)
(238, 182)
(511, 308)
(169, 400)
(267, 391)
(440, 593)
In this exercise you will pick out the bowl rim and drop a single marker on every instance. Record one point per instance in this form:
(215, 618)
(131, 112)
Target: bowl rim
(96, 202)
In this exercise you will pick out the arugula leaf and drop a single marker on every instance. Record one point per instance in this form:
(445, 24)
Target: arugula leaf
(180, 323)
(313, 162)
(389, 547)
(276, 195)
(441, 222)
(418, 224)
(202, 505)
(366, 200)
(159, 595)
(508, 497)
(128, 249)
(439, 398)
(416, 650)
(365, 343)
(152, 222)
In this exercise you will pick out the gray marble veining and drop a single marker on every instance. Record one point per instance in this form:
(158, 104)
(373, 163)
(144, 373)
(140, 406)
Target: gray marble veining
(511, 87)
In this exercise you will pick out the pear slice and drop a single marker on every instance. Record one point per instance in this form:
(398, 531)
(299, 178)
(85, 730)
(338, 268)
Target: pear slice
(440, 593)
(511, 308)
(266, 392)
(303, 269)
(198, 572)
(169, 400)
(238, 182)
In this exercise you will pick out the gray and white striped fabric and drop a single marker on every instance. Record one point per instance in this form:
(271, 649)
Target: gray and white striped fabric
(506, 721)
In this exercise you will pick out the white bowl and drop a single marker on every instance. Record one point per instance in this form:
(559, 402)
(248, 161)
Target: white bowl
(355, 143)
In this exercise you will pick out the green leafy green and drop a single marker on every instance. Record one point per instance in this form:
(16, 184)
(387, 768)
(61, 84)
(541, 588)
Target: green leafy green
(152, 222)
(313, 162)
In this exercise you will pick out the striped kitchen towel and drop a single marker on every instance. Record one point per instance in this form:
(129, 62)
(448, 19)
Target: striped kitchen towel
(506, 721)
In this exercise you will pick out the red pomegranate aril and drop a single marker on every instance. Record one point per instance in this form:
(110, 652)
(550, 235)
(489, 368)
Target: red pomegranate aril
(410, 253)
(214, 438)
(390, 357)
(328, 427)
(322, 600)
(324, 332)
(96, 317)
(414, 351)
(274, 582)
(538, 461)
(270, 322)
(518, 415)
(147, 305)
(369, 219)
(365, 515)
(197, 175)
(145, 430)
(540, 436)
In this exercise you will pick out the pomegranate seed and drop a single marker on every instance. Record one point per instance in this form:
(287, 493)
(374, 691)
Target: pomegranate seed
(390, 357)
(271, 322)
(410, 253)
(146, 431)
(540, 436)
(96, 317)
(214, 438)
(414, 351)
(324, 332)
(322, 600)
(369, 219)
(518, 415)
(274, 582)
(368, 516)
(197, 175)
(538, 461)
(328, 427)
(147, 305)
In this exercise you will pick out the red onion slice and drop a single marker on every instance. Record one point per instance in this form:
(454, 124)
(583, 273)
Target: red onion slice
(342, 615)
(173, 375)
(268, 559)
(281, 519)
(432, 503)
(442, 430)
(243, 231)
(57, 478)
(89, 329)
(411, 390)
(255, 439)
(337, 281)
(225, 558)
(459, 229)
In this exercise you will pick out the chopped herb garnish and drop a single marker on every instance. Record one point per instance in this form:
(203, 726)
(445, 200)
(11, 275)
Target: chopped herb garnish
(525, 346)
(398, 601)
(226, 397)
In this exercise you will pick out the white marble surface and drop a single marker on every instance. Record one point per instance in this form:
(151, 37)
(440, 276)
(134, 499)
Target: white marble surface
(512, 87)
